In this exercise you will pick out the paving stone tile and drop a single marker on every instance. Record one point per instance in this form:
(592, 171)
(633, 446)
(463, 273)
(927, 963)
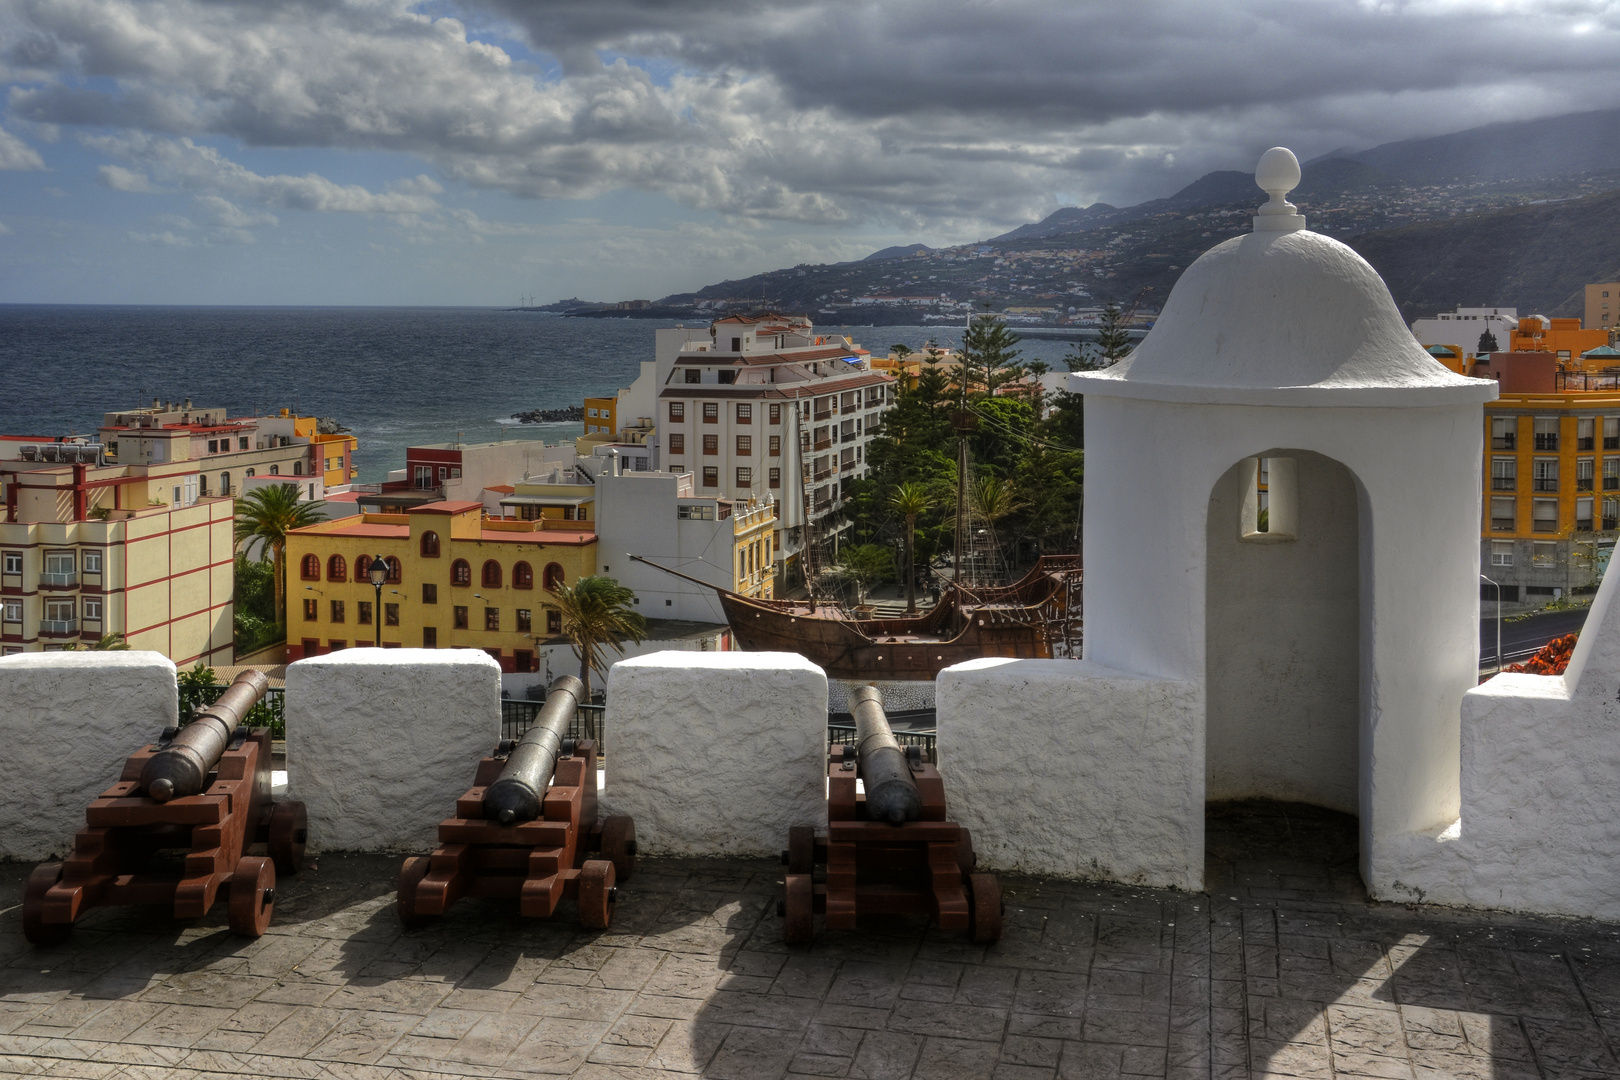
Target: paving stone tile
(688, 1046)
(178, 1025)
(361, 1036)
(948, 1020)
(296, 1035)
(957, 1059)
(573, 1002)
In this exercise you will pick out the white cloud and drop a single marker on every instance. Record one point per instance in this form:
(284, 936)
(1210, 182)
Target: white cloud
(221, 213)
(121, 179)
(165, 239)
(17, 155)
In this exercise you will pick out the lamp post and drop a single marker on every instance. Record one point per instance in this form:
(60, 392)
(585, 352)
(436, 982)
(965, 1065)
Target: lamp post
(378, 573)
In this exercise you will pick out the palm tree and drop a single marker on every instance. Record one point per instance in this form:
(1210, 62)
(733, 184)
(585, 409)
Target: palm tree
(909, 500)
(268, 514)
(596, 615)
(990, 498)
(111, 643)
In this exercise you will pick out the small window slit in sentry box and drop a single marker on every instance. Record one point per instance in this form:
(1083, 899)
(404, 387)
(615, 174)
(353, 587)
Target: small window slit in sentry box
(1271, 500)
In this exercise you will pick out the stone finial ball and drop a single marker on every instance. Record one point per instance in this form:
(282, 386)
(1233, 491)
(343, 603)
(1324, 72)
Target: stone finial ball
(1278, 170)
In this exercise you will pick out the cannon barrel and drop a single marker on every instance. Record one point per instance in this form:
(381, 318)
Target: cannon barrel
(891, 793)
(181, 768)
(516, 795)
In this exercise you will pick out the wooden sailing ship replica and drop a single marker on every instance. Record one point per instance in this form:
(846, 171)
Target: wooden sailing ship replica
(1036, 617)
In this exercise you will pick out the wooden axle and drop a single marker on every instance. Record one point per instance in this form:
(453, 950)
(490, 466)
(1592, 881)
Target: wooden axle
(539, 863)
(179, 853)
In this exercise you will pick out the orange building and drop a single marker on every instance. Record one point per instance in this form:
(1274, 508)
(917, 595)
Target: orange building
(1563, 338)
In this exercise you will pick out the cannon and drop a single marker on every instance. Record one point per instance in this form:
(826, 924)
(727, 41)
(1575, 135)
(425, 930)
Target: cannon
(177, 828)
(887, 848)
(526, 827)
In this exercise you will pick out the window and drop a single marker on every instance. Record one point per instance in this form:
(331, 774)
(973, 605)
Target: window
(1504, 515)
(523, 620)
(1611, 474)
(337, 568)
(430, 545)
(339, 646)
(395, 571)
(776, 414)
(252, 473)
(745, 445)
(298, 468)
(224, 483)
(59, 562)
(695, 512)
(202, 484)
(711, 412)
(424, 476)
(1544, 553)
(776, 446)
(337, 610)
(1503, 432)
(1611, 513)
(591, 413)
(776, 478)
(430, 637)
(1544, 515)
(745, 412)
(242, 443)
(725, 378)
(711, 476)
(492, 618)
(1583, 474)
(711, 444)
(523, 660)
(1583, 514)
(1611, 433)
(310, 610)
(310, 568)
(491, 576)
(522, 576)
(444, 473)
(553, 622)
(1279, 502)
(745, 476)
(736, 344)
(1501, 553)
(92, 562)
(362, 569)
(1544, 474)
(461, 572)
(552, 579)
(1583, 433)
(60, 611)
(430, 593)
(1546, 433)
(693, 375)
(13, 562)
(11, 611)
(390, 614)
(213, 446)
(677, 412)
(362, 613)
(460, 614)
(677, 443)
(92, 607)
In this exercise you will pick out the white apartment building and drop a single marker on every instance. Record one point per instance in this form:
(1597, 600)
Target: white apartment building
(763, 408)
(1464, 326)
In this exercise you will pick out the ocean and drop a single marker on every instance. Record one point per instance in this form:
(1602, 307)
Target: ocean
(396, 377)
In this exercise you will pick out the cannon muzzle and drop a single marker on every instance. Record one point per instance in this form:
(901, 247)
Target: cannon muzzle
(891, 793)
(516, 795)
(182, 767)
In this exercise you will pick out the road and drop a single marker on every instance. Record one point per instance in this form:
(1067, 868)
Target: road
(1522, 638)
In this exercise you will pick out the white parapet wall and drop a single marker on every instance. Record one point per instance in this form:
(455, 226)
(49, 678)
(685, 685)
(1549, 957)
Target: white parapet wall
(717, 754)
(381, 742)
(1065, 768)
(1540, 824)
(67, 722)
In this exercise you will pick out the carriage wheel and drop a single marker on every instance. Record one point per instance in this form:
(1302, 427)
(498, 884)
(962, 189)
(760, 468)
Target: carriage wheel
(986, 907)
(596, 894)
(35, 928)
(965, 856)
(253, 895)
(619, 844)
(289, 830)
(799, 910)
(411, 875)
(801, 849)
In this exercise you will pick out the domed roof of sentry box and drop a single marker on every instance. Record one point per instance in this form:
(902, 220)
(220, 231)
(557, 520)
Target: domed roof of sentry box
(1282, 316)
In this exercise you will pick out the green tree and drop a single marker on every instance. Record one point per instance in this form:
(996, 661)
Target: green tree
(195, 689)
(597, 619)
(268, 514)
(911, 500)
(111, 643)
(900, 352)
(254, 602)
(1113, 336)
(989, 354)
(866, 565)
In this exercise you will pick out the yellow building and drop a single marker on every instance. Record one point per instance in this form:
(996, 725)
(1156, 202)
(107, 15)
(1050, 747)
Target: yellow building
(458, 580)
(1602, 305)
(89, 549)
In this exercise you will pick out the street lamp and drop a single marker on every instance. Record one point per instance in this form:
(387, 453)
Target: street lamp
(378, 573)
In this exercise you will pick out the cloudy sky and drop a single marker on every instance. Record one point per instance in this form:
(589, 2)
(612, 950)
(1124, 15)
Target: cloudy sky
(383, 151)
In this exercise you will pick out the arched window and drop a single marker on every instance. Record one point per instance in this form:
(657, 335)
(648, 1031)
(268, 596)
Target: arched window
(298, 468)
(224, 483)
(275, 470)
(492, 574)
(337, 568)
(395, 571)
(253, 472)
(554, 577)
(461, 572)
(311, 568)
(362, 569)
(522, 576)
(430, 545)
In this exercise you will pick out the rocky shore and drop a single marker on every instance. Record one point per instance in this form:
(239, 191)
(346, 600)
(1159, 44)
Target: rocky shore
(566, 414)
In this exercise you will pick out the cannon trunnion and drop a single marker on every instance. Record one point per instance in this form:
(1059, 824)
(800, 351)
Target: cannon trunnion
(513, 837)
(886, 850)
(180, 845)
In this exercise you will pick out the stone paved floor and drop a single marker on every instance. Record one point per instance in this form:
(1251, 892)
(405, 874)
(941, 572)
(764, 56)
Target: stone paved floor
(1283, 968)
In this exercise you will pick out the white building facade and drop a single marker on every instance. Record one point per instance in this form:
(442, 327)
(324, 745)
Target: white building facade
(1465, 326)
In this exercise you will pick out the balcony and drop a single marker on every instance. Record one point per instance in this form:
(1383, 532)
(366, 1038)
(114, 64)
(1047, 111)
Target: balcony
(1541, 484)
(1611, 442)
(823, 416)
(59, 580)
(1611, 483)
(1502, 524)
(1583, 483)
(848, 466)
(824, 444)
(1504, 442)
(1584, 443)
(58, 627)
(1504, 483)
(849, 436)
(1546, 442)
(824, 474)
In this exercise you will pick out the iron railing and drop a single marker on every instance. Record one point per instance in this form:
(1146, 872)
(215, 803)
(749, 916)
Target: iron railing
(269, 712)
(518, 715)
(844, 735)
